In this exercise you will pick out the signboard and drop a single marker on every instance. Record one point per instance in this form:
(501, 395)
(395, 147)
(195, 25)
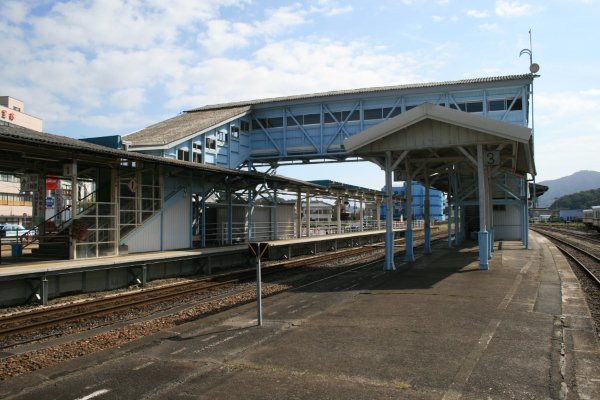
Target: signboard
(51, 182)
(49, 202)
(491, 158)
(132, 185)
(29, 182)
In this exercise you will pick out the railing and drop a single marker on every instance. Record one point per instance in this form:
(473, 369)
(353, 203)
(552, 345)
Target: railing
(54, 227)
(217, 233)
(97, 232)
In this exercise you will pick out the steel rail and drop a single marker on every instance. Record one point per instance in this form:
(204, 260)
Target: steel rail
(590, 273)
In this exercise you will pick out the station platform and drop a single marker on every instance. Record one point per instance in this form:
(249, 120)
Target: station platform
(22, 280)
(439, 328)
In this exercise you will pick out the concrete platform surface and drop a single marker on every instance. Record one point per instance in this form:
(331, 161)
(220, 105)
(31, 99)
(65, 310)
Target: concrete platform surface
(436, 329)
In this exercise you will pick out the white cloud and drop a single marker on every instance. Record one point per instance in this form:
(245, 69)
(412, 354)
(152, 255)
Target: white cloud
(304, 66)
(130, 98)
(514, 8)
(490, 27)
(438, 18)
(478, 13)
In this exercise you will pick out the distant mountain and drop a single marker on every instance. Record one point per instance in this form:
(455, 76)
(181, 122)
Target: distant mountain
(579, 181)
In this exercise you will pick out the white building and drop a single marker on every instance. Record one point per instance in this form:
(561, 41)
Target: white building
(15, 205)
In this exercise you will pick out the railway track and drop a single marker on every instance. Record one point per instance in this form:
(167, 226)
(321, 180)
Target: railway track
(586, 260)
(21, 323)
(85, 338)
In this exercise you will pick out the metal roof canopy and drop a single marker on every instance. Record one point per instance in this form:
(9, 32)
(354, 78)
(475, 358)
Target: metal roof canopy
(25, 150)
(429, 141)
(352, 191)
(438, 136)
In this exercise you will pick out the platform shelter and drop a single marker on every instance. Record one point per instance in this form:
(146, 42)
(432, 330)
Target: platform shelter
(480, 162)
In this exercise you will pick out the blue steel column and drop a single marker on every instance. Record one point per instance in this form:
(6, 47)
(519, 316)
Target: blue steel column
(450, 191)
(483, 234)
(409, 255)
(203, 218)
(457, 212)
(229, 215)
(389, 231)
(525, 208)
(274, 214)
(427, 244)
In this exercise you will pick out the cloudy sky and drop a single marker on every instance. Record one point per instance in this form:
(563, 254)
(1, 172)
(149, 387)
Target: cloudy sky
(100, 67)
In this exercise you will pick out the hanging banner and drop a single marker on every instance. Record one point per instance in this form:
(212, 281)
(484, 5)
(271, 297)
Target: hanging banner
(51, 183)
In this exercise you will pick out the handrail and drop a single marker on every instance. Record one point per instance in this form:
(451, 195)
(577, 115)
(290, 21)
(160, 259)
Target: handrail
(64, 223)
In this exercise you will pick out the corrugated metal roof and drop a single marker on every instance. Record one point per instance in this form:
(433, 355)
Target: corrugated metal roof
(182, 126)
(42, 141)
(379, 89)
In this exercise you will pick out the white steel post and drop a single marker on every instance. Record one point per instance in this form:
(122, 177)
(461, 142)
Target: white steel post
(299, 214)
(427, 222)
(307, 213)
(338, 211)
(409, 255)
(389, 231)
(483, 234)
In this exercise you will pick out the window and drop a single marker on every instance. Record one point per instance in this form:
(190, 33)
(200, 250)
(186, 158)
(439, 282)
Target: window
(222, 135)
(197, 158)
(276, 122)
(410, 107)
(497, 105)
(292, 122)
(517, 106)
(9, 178)
(235, 132)
(211, 143)
(183, 154)
(476, 106)
(10, 199)
(245, 126)
(372, 113)
(354, 116)
(389, 113)
(330, 118)
(311, 119)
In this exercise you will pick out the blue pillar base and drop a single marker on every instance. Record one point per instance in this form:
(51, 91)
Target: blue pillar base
(427, 244)
(409, 250)
(483, 250)
(389, 252)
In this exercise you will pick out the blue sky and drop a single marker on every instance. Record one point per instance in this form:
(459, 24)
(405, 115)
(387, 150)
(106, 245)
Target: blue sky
(102, 67)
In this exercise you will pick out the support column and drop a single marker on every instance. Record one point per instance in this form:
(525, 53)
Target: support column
(451, 200)
(483, 233)
(361, 215)
(307, 213)
(338, 211)
(299, 215)
(490, 215)
(525, 211)
(389, 232)
(250, 213)
(229, 216)
(275, 234)
(427, 216)
(409, 255)
(378, 213)
(74, 206)
(203, 217)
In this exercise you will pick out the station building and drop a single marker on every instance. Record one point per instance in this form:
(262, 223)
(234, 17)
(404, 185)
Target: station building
(15, 204)
(468, 138)
(208, 176)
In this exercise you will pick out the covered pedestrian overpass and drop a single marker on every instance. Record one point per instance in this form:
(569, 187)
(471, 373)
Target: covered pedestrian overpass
(480, 162)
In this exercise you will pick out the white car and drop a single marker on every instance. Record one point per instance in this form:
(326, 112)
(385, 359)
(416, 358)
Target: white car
(13, 230)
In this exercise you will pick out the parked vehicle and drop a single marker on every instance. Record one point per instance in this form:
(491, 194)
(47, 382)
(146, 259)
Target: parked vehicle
(13, 230)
